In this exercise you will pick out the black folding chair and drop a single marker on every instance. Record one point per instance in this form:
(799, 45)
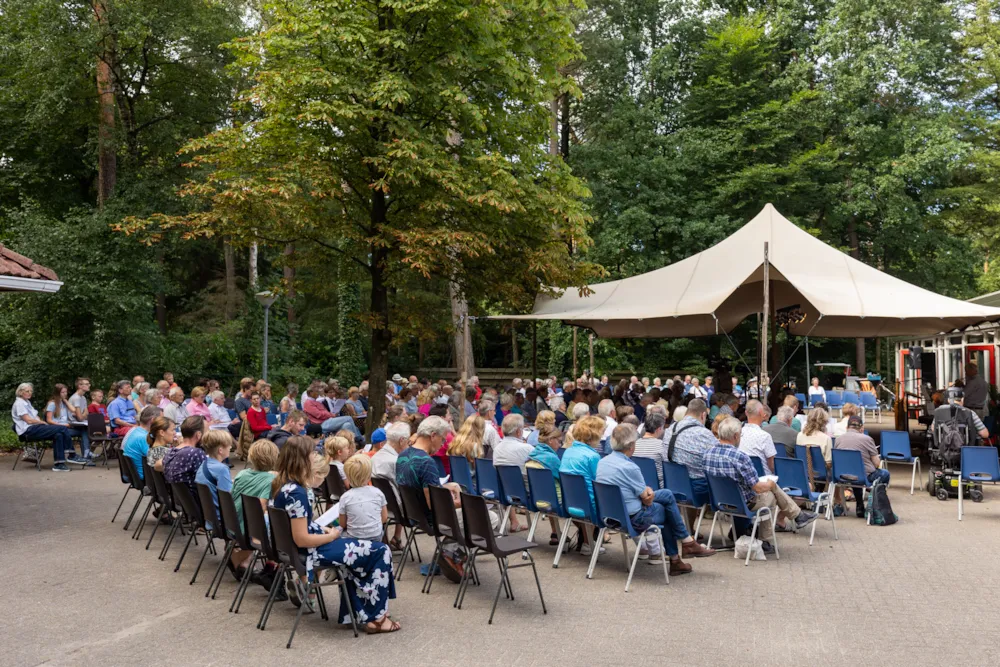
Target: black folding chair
(447, 524)
(263, 546)
(335, 486)
(134, 483)
(192, 518)
(97, 431)
(416, 512)
(213, 525)
(288, 557)
(162, 491)
(397, 515)
(236, 539)
(149, 489)
(479, 537)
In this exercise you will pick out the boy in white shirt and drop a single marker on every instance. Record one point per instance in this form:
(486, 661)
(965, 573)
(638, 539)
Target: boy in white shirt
(363, 510)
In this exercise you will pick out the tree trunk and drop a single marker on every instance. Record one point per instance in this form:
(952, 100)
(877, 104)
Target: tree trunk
(289, 273)
(554, 134)
(381, 335)
(859, 343)
(227, 250)
(107, 160)
(564, 147)
(252, 261)
(513, 344)
(460, 340)
(161, 296)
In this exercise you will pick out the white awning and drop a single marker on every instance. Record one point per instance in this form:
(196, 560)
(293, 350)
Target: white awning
(840, 296)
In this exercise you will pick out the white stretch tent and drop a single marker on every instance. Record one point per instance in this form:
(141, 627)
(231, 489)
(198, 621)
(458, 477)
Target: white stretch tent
(840, 296)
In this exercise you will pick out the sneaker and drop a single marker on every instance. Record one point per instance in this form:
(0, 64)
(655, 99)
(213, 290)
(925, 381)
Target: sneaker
(588, 550)
(804, 519)
(784, 528)
(291, 590)
(425, 568)
(60, 467)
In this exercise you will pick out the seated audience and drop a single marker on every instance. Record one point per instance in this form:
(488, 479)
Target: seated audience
(849, 410)
(581, 459)
(647, 507)
(854, 439)
(338, 449)
(135, 445)
(197, 406)
(139, 398)
(544, 419)
(58, 412)
(370, 583)
(257, 416)
(755, 441)
(814, 434)
(725, 460)
(161, 439)
(288, 401)
(557, 404)
(181, 463)
(295, 424)
(790, 402)
(512, 450)
(30, 428)
(544, 456)
(255, 480)
(816, 393)
(650, 445)
(266, 402)
(354, 400)
(397, 438)
(690, 441)
(176, 411)
(363, 512)
(321, 419)
(781, 430)
(121, 410)
(78, 400)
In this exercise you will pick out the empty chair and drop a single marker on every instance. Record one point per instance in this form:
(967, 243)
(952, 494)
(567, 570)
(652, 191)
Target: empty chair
(290, 560)
(979, 464)
(448, 527)
(869, 402)
(97, 431)
(272, 419)
(479, 537)
(895, 448)
(801, 398)
(794, 481)
(835, 400)
(849, 470)
(397, 515)
(728, 499)
(649, 471)
(852, 397)
(514, 492)
(613, 516)
(677, 479)
(461, 473)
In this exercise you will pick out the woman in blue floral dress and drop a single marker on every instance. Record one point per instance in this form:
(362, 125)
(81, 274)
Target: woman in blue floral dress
(367, 564)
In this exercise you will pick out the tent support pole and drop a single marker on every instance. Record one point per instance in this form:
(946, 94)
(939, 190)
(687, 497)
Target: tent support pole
(808, 379)
(764, 380)
(591, 343)
(575, 375)
(534, 351)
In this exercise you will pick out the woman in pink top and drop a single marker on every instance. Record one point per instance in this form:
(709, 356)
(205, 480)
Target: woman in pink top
(196, 406)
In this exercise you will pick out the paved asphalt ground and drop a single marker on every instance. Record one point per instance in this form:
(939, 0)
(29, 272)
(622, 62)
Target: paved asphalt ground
(77, 591)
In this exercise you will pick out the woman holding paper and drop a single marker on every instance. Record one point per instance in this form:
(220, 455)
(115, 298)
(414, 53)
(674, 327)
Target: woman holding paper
(59, 413)
(368, 570)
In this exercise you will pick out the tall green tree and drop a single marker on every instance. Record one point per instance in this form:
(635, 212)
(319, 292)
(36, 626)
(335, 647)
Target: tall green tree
(351, 147)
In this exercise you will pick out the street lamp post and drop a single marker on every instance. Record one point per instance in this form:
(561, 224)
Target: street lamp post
(266, 299)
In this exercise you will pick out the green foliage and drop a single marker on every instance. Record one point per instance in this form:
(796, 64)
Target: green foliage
(351, 361)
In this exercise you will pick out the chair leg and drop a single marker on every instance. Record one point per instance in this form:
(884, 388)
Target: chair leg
(960, 497)
(534, 524)
(170, 537)
(433, 566)
(18, 458)
(145, 518)
(663, 550)
(625, 547)
(119, 504)
(187, 544)
(156, 525)
(753, 535)
(463, 588)
(538, 584)
(496, 598)
(410, 534)
(279, 580)
(773, 518)
(208, 547)
(711, 532)
(596, 552)
(347, 601)
(244, 582)
(913, 477)
(302, 607)
(697, 525)
(505, 513)
(220, 572)
(131, 515)
(635, 558)
(562, 542)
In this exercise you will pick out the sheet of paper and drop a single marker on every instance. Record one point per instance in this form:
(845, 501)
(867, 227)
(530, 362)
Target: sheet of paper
(75, 423)
(218, 426)
(330, 517)
(444, 480)
(769, 478)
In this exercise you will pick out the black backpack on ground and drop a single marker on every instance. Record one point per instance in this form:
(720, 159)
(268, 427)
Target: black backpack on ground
(879, 507)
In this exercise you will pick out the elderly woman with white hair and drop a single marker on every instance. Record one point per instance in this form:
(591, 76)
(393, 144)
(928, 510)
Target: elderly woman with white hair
(30, 428)
(557, 404)
(647, 507)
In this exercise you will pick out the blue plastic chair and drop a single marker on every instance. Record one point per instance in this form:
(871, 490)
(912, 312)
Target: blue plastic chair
(979, 464)
(515, 493)
(545, 500)
(869, 402)
(576, 500)
(758, 465)
(613, 516)
(439, 462)
(818, 462)
(282, 418)
(895, 448)
(852, 397)
(233, 414)
(272, 419)
(677, 479)
(835, 400)
(728, 499)
(461, 473)
(649, 471)
(849, 471)
(560, 452)
(794, 481)
(487, 480)
(801, 398)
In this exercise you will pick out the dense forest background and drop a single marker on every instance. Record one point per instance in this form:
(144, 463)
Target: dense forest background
(872, 124)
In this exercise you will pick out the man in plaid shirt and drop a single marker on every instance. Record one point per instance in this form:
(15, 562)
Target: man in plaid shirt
(725, 460)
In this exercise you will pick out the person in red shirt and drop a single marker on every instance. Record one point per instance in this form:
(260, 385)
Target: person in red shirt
(256, 416)
(322, 420)
(97, 404)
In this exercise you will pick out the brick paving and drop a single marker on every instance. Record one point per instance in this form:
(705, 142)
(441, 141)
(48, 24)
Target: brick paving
(78, 591)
